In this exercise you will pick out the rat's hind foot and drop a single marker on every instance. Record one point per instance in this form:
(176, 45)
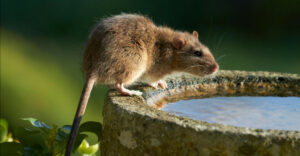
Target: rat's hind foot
(120, 87)
(135, 92)
(160, 83)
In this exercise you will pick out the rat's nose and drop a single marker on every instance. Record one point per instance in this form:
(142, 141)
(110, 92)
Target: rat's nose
(214, 68)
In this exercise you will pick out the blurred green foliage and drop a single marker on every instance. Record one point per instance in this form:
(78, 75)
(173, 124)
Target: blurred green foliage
(42, 43)
(3, 130)
(51, 140)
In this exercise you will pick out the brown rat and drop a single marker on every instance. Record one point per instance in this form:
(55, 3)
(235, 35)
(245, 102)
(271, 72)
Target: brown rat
(127, 48)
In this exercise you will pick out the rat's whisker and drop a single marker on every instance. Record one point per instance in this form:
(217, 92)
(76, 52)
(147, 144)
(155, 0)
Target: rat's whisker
(220, 57)
(193, 67)
(220, 41)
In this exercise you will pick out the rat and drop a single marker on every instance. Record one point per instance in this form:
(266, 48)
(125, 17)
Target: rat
(126, 48)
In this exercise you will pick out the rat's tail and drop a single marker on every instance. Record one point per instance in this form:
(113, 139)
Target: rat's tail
(88, 86)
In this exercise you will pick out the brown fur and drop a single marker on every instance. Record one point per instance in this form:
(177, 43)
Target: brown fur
(128, 47)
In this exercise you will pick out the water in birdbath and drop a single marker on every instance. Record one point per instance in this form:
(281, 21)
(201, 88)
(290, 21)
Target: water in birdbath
(282, 113)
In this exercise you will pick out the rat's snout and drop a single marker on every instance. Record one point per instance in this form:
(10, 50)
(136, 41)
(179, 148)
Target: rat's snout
(214, 68)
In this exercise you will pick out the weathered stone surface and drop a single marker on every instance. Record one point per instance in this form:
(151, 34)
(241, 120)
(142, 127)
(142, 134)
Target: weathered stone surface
(134, 125)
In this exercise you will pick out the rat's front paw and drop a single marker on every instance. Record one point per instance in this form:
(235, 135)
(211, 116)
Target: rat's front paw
(153, 85)
(160, 83)
(163, 84)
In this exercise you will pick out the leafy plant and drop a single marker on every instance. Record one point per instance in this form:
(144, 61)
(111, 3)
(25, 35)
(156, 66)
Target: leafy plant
(86, 150)
(51, 140)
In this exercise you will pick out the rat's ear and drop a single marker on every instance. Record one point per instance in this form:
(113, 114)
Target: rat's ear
(195, 33)
(178, 42)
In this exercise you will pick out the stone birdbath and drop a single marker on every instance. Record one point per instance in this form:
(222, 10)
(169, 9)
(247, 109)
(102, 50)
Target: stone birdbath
(136, 125)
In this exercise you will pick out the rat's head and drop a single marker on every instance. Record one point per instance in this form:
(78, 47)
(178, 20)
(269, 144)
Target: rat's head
(192, 56)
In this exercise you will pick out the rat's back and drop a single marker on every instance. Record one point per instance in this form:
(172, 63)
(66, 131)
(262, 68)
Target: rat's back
(118, 45)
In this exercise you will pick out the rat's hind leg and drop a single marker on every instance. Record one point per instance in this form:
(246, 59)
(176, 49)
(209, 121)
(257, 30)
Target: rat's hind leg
(124, 91)
(127, 77)
(128, 67)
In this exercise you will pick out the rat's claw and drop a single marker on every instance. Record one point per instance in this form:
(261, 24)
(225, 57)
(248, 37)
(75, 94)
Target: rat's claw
(154, 85)
(163, 84)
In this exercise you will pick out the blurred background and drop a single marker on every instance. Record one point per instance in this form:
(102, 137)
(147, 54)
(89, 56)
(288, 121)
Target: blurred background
(42, 44)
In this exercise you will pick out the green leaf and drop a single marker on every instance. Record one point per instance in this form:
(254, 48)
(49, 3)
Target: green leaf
(3, 130)
(85, 148)
(10, 149)
(24, 135)
(93, 127)
(61, 135)
(67, 127)
(78, 140)
(36, 123)
(21, 131)
(34, 150)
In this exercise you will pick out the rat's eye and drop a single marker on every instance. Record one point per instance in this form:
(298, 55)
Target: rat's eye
(198, 53)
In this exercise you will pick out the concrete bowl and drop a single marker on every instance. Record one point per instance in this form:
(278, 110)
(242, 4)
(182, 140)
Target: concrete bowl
(135, 125)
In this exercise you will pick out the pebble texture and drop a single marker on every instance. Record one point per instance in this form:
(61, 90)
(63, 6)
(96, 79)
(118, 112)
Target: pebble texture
(136, 126)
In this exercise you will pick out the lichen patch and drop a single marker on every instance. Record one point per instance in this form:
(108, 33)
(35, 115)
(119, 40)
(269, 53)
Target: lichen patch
(127, 140)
